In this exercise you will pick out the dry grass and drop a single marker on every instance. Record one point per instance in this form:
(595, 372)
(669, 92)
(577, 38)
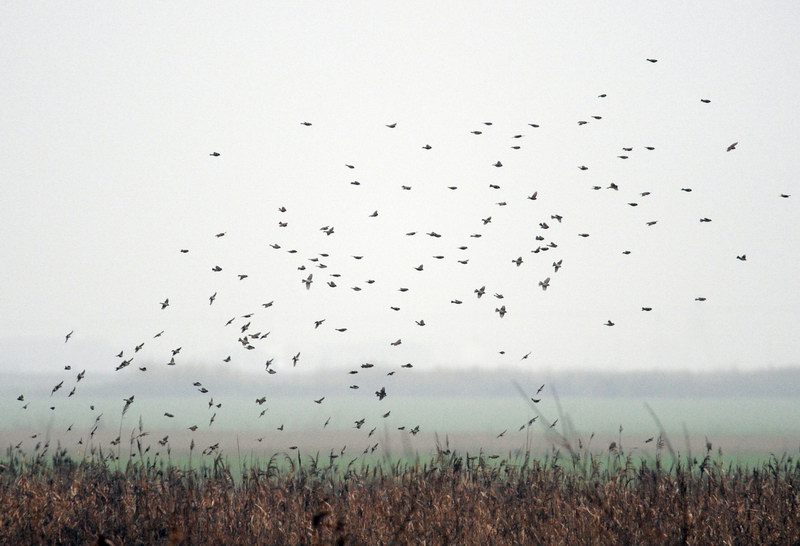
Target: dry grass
(451, 499)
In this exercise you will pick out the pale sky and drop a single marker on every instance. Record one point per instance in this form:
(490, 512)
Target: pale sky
(110, 111)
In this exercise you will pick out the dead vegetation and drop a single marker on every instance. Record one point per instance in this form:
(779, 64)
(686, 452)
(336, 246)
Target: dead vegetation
(450, 499)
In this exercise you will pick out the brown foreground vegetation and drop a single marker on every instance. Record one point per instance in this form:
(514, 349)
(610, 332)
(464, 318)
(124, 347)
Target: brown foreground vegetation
(452, 499)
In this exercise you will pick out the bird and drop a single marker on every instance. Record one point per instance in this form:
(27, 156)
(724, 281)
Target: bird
(501, 311)
(214, 154)
(652, 60)
(732, 147)
(164, 304)
(308, 280)
(609, 323)
(706, 101)
(533, 196)
(498, 164)
(307, 124)
(68, 336)
(319, 401)
(392, 125)
(742, 258)
(211, 298)
(647, 308)
(545, 284)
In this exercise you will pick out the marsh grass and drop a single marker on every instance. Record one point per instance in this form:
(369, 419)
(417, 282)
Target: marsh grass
(567, 497)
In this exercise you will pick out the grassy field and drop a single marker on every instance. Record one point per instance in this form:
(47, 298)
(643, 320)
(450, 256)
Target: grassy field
(571, 496)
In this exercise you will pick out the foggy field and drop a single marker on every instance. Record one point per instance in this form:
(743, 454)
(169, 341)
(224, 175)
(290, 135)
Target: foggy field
(384, 273)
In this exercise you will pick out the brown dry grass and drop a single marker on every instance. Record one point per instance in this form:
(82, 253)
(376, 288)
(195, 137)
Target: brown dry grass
(449, 500)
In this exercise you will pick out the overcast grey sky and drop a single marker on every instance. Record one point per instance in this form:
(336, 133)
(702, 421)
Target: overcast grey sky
(110, 111)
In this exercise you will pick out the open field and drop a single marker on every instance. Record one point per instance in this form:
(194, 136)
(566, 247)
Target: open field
(450, 499)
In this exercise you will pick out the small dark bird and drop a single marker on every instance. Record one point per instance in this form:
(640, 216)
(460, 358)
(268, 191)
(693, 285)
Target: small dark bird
(647, 308)
(652, 222)
(742, 258)
(498, 164)
(381, 394)
(652, 60)
(705, 219)
(216, 269)
(307, 124)
(214, 154)
(184, 250)
(609, 323)
(501, 310)
(583, 168)
(319, 401)
(476, 132)
(700, 298)
(785, 195)
(706, 101)
(69, 335)
(687, 190)
(392, 125)
(164, 304)
(732, 147)
(533, 196)
(426, 147)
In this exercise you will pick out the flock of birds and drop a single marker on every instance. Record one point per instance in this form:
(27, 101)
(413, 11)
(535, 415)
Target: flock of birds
(250, 338)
